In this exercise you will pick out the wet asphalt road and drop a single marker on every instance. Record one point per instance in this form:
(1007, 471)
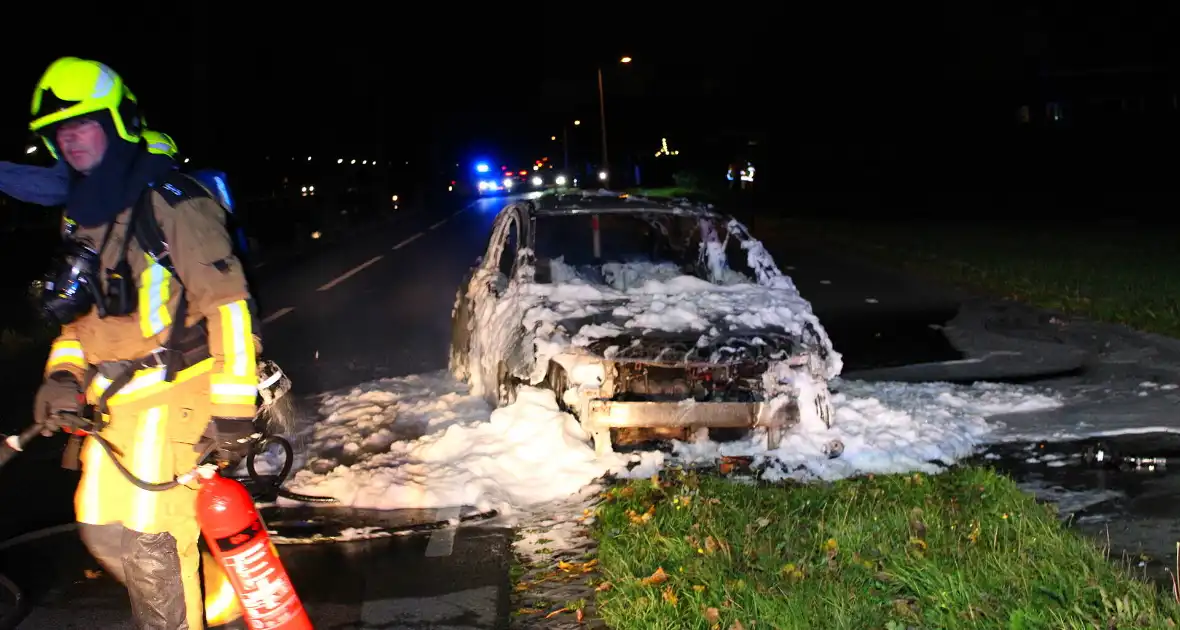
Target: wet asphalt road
(377, 305)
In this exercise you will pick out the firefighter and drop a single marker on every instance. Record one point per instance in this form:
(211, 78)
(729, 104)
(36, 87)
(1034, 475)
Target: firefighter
(161, 342)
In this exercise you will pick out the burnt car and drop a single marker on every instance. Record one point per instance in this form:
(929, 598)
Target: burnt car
(648, 317)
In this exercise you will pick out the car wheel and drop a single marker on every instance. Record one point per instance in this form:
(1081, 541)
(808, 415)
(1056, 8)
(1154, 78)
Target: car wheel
(460, 355)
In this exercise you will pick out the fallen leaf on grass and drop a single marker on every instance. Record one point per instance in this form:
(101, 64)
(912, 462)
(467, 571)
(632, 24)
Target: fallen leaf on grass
(918, 546)
(659, 577)
(670, 596)
(580, 615)
(831, 547)
(639, 519)
(734, 464)
(906, 606)
(577, 567)
(712, 615)
(917, 526)
(757, 526)
(605, 586)
(792, 572)
(557, 612)
(737, 625)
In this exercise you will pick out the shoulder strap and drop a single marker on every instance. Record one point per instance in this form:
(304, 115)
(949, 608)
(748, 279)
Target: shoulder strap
(174, 188)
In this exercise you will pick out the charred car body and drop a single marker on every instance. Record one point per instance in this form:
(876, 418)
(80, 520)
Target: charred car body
(640, 315)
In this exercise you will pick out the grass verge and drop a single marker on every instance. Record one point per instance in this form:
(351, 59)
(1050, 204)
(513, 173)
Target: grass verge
(1116, 273)
(667, 191)
(963, 549)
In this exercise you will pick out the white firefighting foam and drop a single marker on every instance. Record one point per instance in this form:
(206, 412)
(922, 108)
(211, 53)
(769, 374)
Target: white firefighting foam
(424, 441)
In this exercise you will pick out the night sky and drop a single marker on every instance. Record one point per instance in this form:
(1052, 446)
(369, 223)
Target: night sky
(507, 78)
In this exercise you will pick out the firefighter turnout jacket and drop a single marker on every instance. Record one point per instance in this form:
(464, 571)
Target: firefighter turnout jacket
(155, 424)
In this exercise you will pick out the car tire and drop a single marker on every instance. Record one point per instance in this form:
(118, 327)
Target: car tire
(459, 363)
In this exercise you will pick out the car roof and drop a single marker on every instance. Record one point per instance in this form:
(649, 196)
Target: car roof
(608, 202)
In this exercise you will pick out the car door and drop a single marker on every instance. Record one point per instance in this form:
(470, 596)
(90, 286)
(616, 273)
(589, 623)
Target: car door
(498, 304)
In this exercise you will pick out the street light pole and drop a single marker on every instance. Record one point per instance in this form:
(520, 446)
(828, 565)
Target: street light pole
(565, 145)
(602, 120)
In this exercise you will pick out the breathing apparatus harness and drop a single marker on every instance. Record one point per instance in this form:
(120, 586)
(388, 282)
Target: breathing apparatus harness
(74, 287)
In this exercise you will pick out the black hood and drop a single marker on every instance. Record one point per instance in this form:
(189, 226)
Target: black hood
(117, 182)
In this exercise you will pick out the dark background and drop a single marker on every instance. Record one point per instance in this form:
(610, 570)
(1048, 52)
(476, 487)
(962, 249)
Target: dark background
(912, 110)
(429, 88)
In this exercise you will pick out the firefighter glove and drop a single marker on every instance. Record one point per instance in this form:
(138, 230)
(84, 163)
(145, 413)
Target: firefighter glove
(234, 438)
(59, 402)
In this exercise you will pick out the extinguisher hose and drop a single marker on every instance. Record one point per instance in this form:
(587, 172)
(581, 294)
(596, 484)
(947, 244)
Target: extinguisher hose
(288, 461)
(136, 481)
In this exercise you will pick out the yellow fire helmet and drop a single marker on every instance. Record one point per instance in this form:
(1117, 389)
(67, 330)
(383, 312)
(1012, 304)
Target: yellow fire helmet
(73, 87)
(159, 143)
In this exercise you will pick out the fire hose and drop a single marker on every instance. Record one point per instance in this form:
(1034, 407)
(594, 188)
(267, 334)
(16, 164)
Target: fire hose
(8, 449)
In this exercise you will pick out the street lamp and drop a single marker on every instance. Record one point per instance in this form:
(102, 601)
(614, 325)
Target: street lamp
(602, 112)
(577, 122)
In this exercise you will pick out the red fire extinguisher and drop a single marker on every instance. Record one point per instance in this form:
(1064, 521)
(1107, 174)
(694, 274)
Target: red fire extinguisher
(237, 537)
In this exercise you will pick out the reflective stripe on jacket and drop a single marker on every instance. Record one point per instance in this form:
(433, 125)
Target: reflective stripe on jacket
(215, 287)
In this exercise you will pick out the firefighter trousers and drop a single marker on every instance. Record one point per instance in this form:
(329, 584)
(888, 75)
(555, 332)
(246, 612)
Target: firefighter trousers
(149, 540)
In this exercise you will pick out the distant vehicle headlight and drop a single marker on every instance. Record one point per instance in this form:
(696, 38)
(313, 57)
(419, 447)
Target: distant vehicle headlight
(560, 181)
(507, 183)
(537, 181)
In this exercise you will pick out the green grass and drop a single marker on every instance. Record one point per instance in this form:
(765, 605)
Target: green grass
(1112, 272)
(964, 549)
(670, 191)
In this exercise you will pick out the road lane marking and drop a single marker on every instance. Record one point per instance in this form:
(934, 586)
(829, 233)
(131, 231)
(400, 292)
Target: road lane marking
(408, 241)
(277, 314)
(352, 272)
(442, 541)
(438, 225)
